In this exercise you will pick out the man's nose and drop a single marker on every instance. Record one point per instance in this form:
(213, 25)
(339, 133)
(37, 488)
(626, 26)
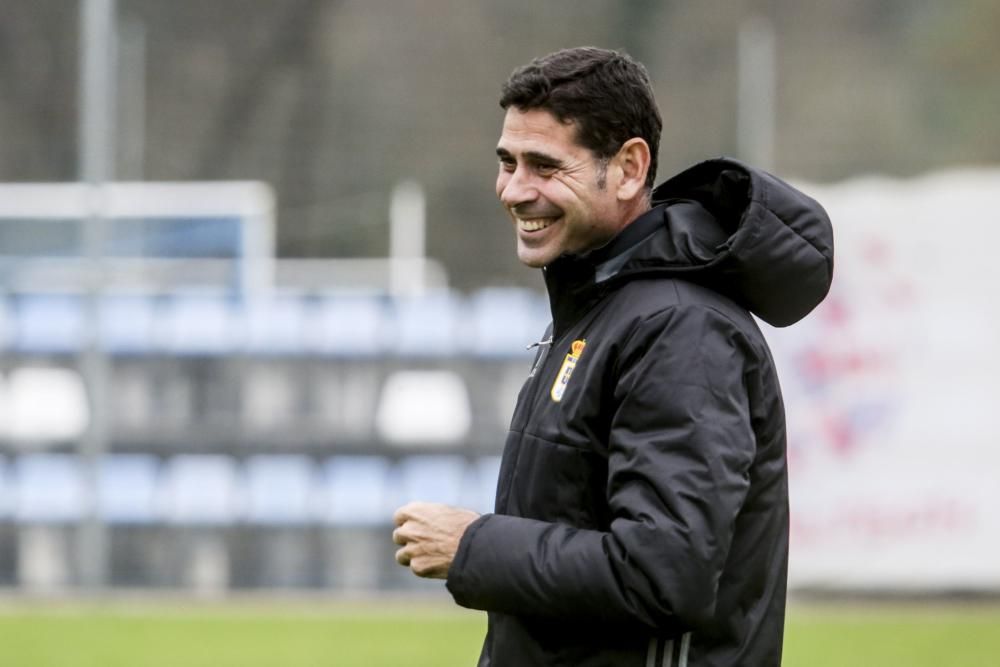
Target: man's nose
(516, 188)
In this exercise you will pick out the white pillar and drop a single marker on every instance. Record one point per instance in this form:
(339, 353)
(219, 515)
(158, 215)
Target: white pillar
(407, 239)
(757, 67)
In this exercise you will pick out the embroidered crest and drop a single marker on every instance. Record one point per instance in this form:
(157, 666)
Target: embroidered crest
(566, 370)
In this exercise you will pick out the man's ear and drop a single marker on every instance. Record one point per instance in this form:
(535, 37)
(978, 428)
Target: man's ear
(632, 162)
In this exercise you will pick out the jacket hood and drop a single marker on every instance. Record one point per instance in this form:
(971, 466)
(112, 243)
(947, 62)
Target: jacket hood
(735, 229)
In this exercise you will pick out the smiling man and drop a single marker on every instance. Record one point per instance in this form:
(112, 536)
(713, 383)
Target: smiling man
(641, 516)
(557, 194)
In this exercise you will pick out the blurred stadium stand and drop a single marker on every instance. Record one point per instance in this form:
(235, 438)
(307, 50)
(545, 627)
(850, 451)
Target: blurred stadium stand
(254, 443)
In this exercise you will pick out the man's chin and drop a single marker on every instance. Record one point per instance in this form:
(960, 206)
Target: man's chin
(535, 259)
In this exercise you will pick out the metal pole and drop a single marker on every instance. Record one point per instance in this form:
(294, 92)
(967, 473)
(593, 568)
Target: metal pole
(407, 239)
(755, 125)
(131, 116)
(97, 150)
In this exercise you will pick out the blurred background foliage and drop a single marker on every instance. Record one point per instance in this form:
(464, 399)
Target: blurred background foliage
(333, 102)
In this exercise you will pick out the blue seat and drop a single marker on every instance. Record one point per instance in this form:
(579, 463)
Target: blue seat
(348, 326)
(5, 491)
(198, 324)
(48, 488)
(127, 489)
(480, 489)
(432, 478)
(504, 321)
(275, 325)
(49, 323)
(6, 324)
(280, 490)
(356, 491)
(127, 323)
(426, 325)
(200, 489)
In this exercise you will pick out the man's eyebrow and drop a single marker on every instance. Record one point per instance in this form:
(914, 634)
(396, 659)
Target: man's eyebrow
(543, 158)
(536, 157)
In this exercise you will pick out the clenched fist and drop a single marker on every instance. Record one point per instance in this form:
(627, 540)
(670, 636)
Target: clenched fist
(429, 534)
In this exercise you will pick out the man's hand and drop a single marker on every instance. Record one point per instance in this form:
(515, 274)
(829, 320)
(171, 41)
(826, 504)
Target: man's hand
(429, 534)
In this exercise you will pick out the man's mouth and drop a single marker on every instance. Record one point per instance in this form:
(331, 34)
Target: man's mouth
(534, 224)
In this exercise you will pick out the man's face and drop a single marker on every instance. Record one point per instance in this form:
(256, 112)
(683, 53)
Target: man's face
(553, 189)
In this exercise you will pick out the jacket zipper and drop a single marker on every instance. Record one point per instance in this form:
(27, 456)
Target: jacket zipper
(546, 345)
(543, 354)
(547, 341)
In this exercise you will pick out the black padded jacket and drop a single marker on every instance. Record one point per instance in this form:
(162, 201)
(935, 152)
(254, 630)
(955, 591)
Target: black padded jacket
(642, 508)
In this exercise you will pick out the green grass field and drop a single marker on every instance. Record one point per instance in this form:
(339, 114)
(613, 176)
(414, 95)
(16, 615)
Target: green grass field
(421, 634)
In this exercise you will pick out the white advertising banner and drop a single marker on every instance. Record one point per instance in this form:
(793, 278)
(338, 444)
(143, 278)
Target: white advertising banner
(892, 390)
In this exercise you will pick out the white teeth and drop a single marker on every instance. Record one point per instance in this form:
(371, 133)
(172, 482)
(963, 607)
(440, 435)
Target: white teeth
(534, 225)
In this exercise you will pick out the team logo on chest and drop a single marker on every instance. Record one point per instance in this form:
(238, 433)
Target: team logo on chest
(566, 370)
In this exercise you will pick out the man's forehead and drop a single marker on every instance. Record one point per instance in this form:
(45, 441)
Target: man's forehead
(537, 131)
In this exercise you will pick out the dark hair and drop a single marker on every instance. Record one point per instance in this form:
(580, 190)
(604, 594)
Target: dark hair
(605, 93)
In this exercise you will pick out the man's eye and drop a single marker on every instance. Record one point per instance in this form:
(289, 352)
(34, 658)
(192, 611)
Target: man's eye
(545, 169)
(507, 165)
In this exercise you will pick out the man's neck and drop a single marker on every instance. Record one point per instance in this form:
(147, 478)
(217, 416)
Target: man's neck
(636, 208)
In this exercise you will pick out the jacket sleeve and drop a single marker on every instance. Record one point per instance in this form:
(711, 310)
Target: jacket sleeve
(681, 446)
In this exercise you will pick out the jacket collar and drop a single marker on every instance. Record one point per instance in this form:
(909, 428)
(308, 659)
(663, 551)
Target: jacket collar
(576, 282)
